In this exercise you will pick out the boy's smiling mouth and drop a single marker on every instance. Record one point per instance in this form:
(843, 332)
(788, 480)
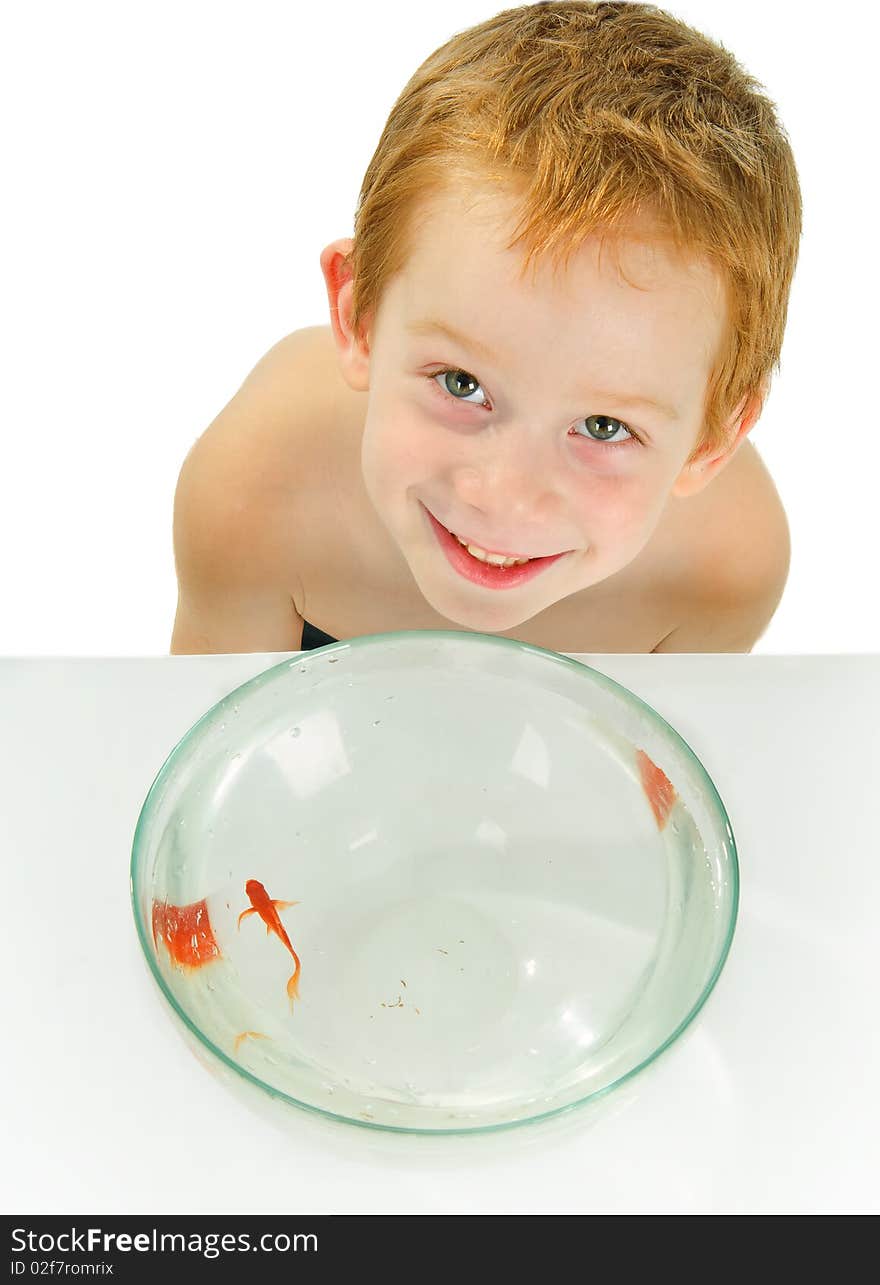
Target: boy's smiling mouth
(491, 570)
(494, 559)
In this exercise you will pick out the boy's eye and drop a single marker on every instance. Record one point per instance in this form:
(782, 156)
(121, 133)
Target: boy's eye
(605, 428)
(459, 384)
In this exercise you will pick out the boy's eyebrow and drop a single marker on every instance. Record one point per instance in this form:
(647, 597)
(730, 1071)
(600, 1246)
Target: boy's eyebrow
(426, 326)
(637, 399)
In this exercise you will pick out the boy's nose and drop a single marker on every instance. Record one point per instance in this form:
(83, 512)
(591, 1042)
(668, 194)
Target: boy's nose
(509, 484)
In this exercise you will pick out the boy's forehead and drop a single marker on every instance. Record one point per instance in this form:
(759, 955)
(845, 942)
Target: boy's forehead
(460, 262)
(477, 225)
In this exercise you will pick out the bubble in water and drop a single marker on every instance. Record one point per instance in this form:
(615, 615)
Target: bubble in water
(295, 731)
(235, 709)
(376, 722)
(331, 660)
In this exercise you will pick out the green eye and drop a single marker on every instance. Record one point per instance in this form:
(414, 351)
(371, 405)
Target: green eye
(458, 383)
(605, 428)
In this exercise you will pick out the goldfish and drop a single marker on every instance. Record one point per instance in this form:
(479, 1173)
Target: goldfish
(659, 789)
(263, 905)
(186, 932)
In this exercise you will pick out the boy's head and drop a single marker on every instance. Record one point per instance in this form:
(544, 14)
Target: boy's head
(600, 198)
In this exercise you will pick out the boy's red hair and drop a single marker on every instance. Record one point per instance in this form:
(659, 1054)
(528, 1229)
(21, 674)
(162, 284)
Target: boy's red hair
(593, 113)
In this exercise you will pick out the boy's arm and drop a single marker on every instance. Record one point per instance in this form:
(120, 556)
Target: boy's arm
(232, 540)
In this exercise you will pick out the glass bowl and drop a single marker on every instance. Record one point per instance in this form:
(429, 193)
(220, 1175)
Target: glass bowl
(484, 882)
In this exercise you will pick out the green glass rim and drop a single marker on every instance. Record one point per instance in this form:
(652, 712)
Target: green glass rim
(430, 635)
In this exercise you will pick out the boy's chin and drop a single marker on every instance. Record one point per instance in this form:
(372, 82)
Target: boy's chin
(490, 617)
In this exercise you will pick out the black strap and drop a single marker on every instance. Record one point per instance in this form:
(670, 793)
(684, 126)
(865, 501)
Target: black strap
(313, 637)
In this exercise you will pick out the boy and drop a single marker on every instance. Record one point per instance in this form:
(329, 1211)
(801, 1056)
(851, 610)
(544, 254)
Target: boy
(549, 339)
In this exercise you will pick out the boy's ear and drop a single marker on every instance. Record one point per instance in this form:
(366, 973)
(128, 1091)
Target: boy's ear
(354, 353)
(705, 464)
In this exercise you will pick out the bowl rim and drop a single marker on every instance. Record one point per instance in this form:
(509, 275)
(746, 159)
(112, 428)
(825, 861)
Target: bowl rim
(426, 636)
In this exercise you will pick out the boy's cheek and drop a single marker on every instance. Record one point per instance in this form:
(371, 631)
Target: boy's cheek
(396, 471)
(621, 505)
(404, 449)
(393, 451)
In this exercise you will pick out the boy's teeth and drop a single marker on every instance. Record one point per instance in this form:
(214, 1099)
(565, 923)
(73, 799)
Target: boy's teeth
(494, 559)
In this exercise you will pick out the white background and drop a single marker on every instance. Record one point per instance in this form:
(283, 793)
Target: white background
(172, 171)
(767, 1105)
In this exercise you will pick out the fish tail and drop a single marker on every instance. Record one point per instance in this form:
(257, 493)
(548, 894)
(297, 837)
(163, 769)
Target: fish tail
(293, 984)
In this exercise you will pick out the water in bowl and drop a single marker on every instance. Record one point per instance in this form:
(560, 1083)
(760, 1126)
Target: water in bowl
(492, 923)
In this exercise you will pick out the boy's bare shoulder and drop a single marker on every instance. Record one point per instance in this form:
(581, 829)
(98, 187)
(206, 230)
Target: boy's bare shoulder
(739, 550)
(236, 512)
(245, 467)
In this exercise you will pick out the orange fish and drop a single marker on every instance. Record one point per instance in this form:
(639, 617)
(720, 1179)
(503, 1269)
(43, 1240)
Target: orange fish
(253, 1035)
(186, 932)
(263, 905)
(657, 786)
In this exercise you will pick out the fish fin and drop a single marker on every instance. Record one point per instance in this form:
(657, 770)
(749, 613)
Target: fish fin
(282, 905)
(244, 914)
(293, 988)
(254, 1035)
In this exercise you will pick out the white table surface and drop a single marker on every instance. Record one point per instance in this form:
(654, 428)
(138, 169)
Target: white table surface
(769, 1102)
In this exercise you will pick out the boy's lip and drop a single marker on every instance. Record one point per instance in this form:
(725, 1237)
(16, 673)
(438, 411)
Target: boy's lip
(482, 573)
(478, 544)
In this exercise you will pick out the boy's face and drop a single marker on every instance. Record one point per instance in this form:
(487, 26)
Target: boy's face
(555, 427)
